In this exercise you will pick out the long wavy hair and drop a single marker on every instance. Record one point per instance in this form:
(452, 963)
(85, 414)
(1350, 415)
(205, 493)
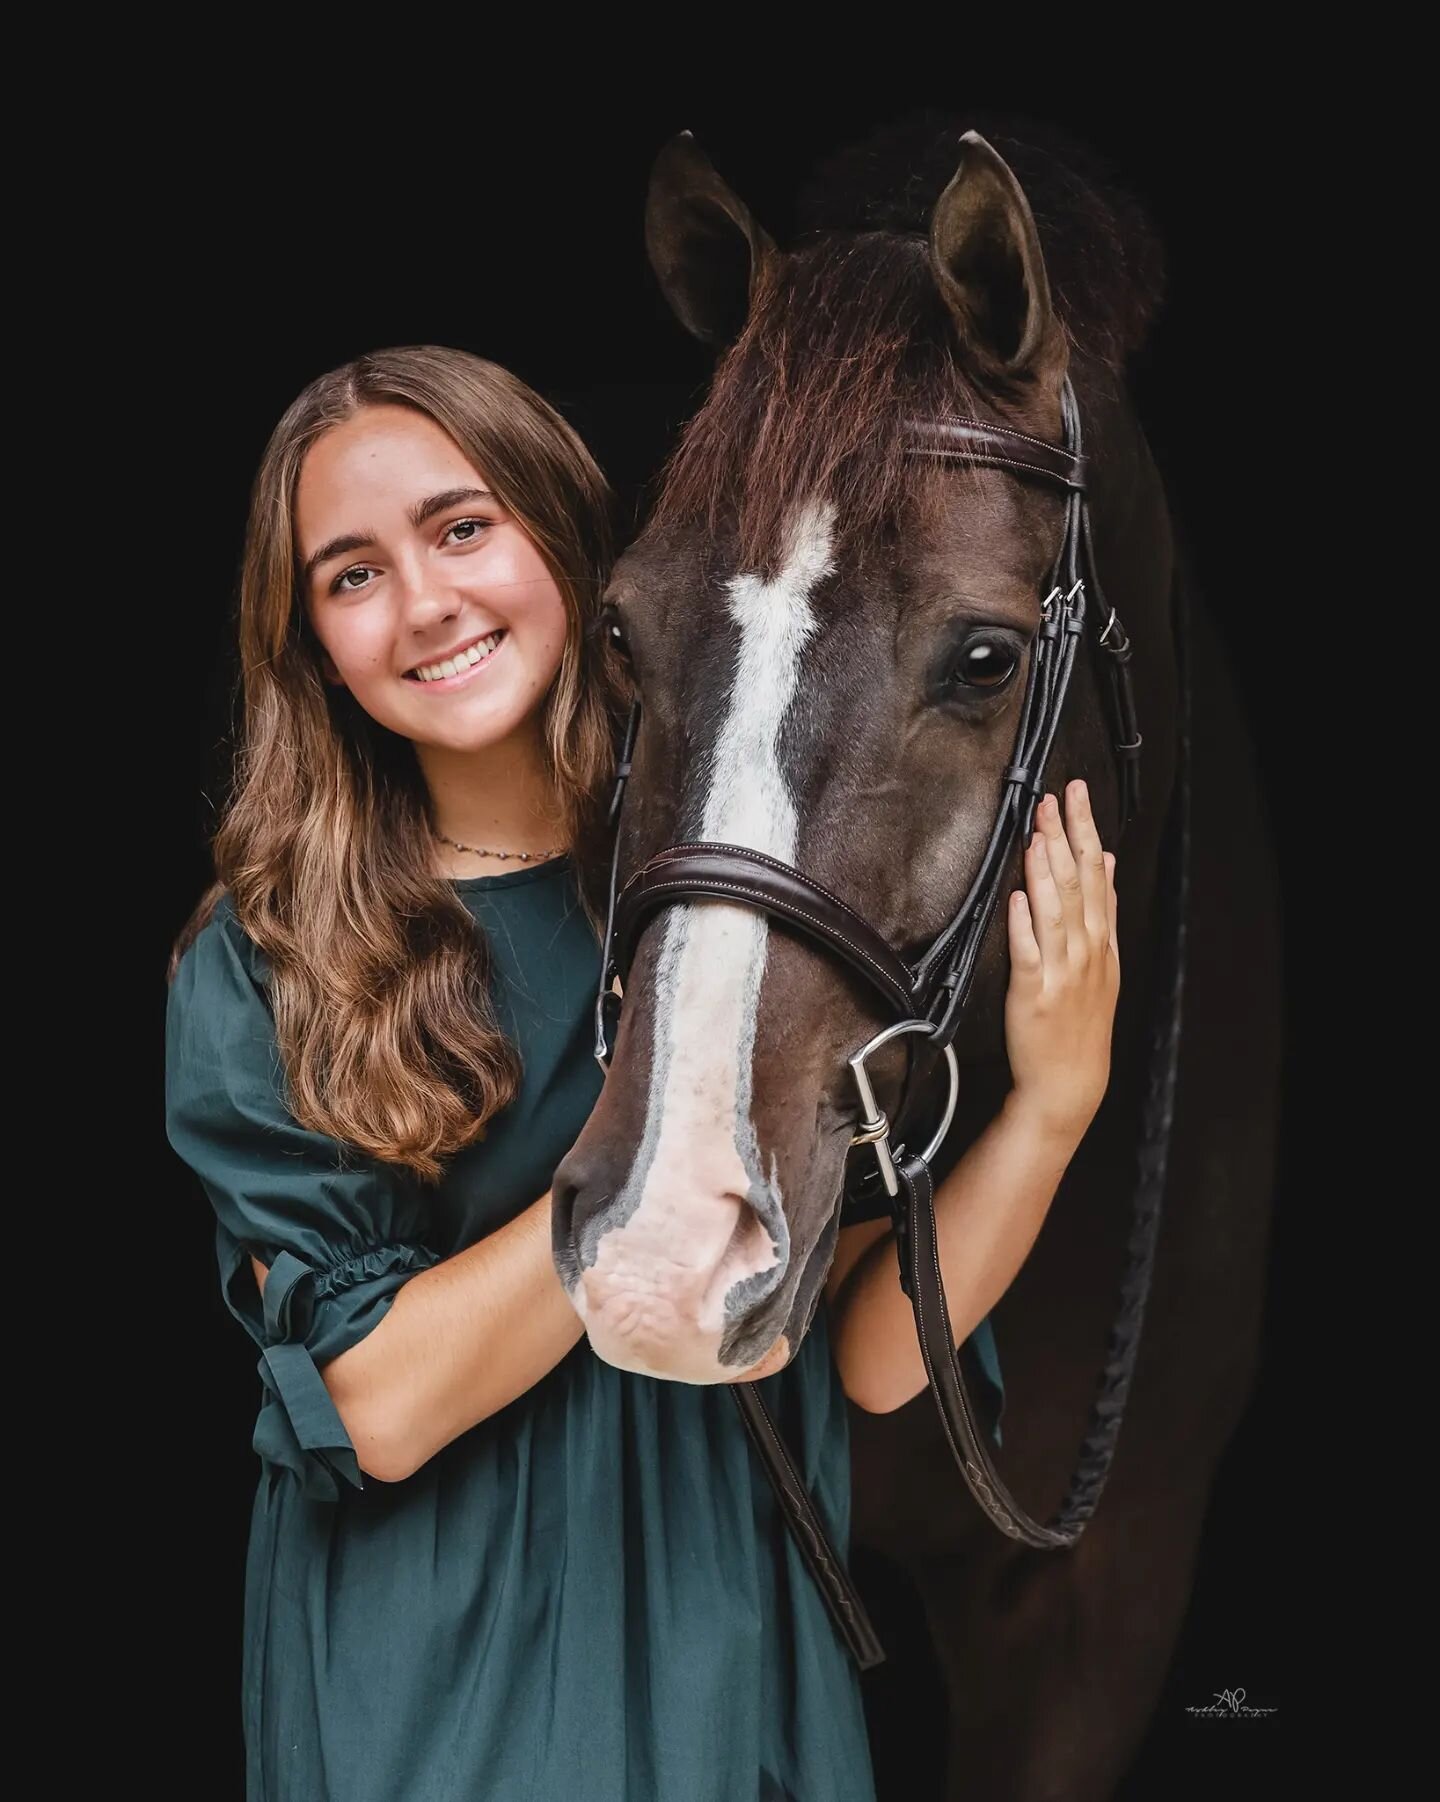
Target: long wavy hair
(378, 977)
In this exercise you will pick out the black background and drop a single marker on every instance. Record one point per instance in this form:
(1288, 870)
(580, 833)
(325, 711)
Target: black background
(254, 259)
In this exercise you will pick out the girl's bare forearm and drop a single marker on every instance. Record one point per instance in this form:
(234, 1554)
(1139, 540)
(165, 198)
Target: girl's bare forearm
(988, 1214)
(459, 1342)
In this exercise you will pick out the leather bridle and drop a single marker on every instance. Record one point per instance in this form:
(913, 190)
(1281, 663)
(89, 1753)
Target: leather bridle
(926, 996)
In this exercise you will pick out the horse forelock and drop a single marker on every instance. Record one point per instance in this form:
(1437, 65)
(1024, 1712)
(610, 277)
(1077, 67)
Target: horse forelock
(847, 338)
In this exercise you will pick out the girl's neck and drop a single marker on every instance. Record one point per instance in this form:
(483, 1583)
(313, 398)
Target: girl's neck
(500, 799)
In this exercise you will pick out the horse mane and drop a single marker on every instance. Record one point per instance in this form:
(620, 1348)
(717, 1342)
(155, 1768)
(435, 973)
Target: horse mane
(848, 336)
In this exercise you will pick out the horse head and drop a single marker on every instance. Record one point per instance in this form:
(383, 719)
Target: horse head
(830, 638)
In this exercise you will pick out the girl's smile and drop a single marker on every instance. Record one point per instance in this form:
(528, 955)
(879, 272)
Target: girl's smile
(459, 666)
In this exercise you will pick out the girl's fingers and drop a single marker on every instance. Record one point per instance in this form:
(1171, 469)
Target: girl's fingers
(1111, 905)
(1024, 952)
(1063, 872)
(1089, 860)
(1046, 914)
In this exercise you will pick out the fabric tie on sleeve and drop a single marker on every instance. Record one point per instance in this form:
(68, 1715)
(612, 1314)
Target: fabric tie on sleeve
(304, 1432)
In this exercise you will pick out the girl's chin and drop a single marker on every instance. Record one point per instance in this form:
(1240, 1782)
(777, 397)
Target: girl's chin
(472, 729)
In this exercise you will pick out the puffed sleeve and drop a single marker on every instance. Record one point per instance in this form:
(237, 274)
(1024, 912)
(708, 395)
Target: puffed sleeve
(339, 1232)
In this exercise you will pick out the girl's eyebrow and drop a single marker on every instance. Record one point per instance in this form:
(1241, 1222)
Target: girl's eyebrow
(419, 513)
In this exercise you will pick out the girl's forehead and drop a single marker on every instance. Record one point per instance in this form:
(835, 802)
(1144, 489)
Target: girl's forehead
(380, 457)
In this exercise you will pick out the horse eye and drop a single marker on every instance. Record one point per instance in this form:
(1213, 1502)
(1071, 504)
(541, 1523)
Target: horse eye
(984, 663)
(612, 629)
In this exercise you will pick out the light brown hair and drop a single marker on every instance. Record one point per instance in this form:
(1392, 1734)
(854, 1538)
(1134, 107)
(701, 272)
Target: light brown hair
(379, 978)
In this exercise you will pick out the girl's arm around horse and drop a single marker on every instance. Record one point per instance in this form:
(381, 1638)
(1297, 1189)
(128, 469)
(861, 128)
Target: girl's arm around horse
(1059, 1012)
(459, 1342)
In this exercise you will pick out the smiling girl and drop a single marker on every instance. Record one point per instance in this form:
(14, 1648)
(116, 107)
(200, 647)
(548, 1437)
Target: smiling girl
(483, 1563)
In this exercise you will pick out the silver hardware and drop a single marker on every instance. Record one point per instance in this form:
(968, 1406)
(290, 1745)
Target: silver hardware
(874, 1129)
(603, 1051)
(1109, 626)
(871, 1131)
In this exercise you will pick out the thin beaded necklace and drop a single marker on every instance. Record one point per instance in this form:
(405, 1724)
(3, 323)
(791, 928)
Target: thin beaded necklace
(479, 851)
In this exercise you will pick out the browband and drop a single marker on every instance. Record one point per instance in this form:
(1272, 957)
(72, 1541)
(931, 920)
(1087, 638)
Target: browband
(974, 441)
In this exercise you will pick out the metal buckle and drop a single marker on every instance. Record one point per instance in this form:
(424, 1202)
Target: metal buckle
(874, 1128)
(607, 1024)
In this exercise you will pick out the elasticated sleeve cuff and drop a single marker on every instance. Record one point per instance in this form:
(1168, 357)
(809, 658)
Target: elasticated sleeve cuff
(310, 1317)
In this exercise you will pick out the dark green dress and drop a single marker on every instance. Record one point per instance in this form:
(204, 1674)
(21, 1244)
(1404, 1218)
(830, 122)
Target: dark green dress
(588, 1597)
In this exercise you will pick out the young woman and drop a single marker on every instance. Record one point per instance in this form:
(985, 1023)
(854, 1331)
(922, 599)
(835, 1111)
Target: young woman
(564, 1582)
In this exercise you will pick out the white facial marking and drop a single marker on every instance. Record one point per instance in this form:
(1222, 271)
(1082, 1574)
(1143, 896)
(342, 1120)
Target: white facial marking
(706, 995)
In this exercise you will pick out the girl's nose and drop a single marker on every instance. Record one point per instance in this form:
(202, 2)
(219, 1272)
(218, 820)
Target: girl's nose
(426, 606)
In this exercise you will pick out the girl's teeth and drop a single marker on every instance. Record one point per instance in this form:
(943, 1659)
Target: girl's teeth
(452, 666)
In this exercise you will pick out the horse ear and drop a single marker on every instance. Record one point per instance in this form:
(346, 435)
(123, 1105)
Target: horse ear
(985, 252)
(704, 245)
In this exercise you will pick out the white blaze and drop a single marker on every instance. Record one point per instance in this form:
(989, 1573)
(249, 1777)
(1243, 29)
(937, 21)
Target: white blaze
(712, 958)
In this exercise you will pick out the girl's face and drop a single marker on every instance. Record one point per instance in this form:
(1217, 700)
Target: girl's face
(433, 607)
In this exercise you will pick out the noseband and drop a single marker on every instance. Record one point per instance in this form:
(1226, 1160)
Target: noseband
(925, 997)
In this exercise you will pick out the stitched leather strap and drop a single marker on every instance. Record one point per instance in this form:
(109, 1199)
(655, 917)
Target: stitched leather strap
(749, 878)
(975, 441)
(920, 1277)
(808, 1531)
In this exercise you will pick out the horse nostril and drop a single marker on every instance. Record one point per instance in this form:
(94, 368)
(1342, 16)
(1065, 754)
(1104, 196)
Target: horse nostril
(564, 1203)
(751, 1237)
(581, 1189)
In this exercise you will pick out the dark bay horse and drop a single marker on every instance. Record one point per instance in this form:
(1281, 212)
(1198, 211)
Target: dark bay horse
(830, 638)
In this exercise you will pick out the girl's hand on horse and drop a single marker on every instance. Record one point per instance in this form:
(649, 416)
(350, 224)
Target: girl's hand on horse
(1064, 968)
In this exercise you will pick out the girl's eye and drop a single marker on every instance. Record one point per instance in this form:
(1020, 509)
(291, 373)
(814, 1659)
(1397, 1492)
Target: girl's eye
(470, 530)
